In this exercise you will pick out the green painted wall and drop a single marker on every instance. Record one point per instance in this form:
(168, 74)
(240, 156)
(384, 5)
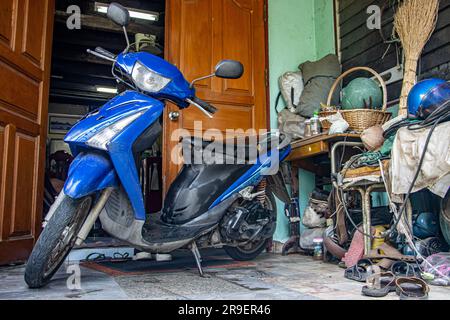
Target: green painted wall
(324, 27)
(299, 30)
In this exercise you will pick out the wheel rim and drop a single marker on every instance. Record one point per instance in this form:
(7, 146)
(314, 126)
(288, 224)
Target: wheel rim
(67, 238)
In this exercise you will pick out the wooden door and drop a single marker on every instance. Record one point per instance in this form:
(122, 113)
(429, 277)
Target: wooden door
(200, 33)
(25, 47)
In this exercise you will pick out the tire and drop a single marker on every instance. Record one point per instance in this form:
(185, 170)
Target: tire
(255, 249)
(56, 240)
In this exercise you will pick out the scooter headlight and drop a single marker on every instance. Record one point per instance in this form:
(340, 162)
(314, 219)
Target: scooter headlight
(147, 80)
(102, 139)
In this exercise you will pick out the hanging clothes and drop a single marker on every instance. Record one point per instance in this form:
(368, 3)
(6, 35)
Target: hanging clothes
(406, 153)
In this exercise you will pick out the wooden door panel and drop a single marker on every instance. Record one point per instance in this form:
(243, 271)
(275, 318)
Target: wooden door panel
(200, 33)
(25, 47)
(238, 45)
(19, 91)
(243, 118)
(33, 25)
(23, 184)
(7, 21)
(196, 33)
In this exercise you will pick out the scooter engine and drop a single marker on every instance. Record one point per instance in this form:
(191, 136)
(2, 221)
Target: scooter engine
(247, 222)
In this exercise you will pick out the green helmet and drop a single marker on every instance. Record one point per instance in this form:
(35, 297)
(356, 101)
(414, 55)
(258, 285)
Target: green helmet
(362, 93)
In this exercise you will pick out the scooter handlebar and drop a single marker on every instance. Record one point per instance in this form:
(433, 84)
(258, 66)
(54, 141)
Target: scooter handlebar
(101, 55)
(205, 105)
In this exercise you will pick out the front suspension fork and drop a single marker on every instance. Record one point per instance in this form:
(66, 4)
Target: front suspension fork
(93, 215)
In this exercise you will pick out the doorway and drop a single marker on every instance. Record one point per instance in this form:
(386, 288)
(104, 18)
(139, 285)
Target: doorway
(43, 96)
(81, 83)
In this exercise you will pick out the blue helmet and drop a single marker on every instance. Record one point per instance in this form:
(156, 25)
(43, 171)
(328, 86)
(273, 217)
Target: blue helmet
(426, 96)
(426, 225)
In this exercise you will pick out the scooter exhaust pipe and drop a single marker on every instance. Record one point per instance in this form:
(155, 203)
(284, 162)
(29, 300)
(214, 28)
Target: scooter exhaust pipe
(93, 215)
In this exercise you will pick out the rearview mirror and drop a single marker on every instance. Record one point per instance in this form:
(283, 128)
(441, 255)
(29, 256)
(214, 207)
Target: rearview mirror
(229, 69)
(118, 14)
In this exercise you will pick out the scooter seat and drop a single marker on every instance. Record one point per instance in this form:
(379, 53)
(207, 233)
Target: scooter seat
(230, 149)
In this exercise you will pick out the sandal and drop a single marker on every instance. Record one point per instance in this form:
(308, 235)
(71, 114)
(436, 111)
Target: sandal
(379, 284)
(412, 289)
(360, 271)
(405, 269)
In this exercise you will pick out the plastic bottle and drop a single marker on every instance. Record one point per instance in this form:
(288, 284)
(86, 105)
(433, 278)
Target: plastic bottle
(315, 124)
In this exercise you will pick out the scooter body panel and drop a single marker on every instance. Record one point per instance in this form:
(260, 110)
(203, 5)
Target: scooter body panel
(177, 90)
(255, 174)
(90, 172)
(120, 147)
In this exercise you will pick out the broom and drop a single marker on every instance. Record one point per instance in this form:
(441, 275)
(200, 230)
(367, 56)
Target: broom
(414, 23)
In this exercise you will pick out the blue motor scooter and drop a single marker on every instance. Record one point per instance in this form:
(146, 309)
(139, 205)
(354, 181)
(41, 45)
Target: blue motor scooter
(208, 205)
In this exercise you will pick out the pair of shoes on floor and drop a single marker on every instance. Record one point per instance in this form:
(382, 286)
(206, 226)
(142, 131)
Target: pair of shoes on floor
(366, 267)
(380, 284)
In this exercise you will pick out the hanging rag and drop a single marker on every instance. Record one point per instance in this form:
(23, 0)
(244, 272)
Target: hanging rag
(371, 159)
(356, 250)
(406, 153)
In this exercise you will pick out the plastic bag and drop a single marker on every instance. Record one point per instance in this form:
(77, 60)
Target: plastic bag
(291, 87)
(311, 219)
(307, 237)
(338, 123)
(440, 262)
(291, 124)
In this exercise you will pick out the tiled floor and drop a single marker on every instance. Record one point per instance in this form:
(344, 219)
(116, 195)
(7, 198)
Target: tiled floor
(270, 277)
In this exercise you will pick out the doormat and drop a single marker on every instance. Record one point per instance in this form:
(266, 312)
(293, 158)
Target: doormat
(181, 261)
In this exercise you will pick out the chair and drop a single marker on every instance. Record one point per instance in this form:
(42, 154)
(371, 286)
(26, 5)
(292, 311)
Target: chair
(365, 181)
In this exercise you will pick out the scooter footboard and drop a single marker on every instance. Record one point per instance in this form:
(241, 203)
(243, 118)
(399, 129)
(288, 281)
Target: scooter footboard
(90, 172)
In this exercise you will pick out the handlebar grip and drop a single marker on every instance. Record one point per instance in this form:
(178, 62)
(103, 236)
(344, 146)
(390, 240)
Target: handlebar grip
(105, 52)
(205, 105)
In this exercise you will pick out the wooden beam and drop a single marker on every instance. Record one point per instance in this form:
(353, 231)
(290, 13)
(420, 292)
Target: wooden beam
(66, 54)
(98, 22)
(81, 68)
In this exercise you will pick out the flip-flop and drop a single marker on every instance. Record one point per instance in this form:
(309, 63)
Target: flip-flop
(379, 284)
(360, 271)
(412, 288)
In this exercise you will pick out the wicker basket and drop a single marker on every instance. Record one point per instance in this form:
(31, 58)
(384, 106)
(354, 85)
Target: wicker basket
(359, 119)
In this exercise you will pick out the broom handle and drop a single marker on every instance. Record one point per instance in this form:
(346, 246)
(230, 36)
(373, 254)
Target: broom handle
(346, 73)
(409, 80)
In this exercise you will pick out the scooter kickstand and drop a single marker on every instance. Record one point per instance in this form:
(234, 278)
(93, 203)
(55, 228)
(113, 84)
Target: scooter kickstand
(198, 259)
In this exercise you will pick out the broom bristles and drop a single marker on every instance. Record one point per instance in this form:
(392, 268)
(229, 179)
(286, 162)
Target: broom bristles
(414, 23)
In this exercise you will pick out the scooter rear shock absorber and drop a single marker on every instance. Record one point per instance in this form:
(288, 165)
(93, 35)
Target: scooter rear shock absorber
(261, 190)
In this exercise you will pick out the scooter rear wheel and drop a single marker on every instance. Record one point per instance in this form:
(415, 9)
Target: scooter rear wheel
(56, 240)
(252, 250)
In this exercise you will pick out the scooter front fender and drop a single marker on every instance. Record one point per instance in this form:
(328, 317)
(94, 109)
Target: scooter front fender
(90, 172)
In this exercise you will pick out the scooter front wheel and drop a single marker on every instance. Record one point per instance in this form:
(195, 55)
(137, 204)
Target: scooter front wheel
(56, 240)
